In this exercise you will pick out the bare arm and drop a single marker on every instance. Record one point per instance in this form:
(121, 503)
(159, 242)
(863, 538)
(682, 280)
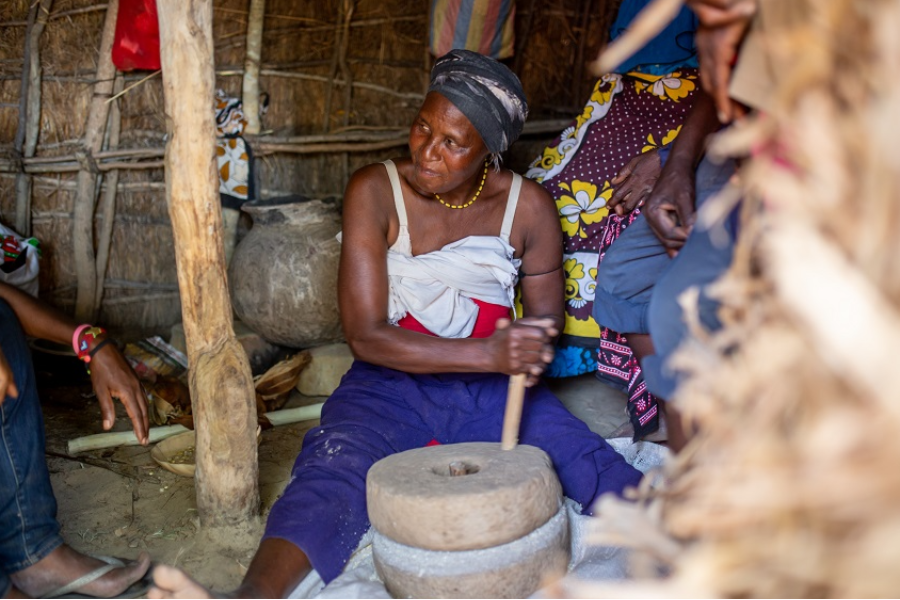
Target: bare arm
(363, 300)
(111, 375)
(723, 25)
(544, 283)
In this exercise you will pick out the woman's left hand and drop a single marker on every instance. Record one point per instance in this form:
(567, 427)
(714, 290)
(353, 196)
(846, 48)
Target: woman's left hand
(112, 377)
(634, 182)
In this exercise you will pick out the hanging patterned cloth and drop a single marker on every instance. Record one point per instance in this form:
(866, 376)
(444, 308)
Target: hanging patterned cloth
(483, 26)
(233, 154)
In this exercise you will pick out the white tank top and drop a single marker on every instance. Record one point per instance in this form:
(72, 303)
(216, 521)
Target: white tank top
(437, 288)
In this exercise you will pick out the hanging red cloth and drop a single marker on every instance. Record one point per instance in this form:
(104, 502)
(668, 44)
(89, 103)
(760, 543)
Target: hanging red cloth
(136, 46)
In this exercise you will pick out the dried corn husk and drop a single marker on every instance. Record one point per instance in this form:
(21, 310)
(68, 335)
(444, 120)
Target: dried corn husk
(274, 386)
(790, 486)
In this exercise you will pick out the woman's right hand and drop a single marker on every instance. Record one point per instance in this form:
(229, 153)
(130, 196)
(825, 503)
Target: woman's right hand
(524, 346)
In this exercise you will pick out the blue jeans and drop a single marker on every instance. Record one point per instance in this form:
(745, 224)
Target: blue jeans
(29, 530)
(638, 285)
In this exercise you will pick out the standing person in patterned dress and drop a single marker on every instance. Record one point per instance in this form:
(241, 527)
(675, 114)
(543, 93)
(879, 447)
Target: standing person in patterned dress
(599, 171)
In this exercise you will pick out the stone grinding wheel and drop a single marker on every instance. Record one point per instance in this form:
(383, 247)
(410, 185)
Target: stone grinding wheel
(494, 496)
(513, 570)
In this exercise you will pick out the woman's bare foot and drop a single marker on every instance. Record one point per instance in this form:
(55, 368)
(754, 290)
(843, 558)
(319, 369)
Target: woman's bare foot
(65, 565)
(172, 582)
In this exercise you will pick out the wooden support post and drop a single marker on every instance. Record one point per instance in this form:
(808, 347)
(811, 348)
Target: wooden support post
(250, 94)
(332, 74)
(222, 393)
(86, 191)
(347, 76)
(107, 208)
(29, 110)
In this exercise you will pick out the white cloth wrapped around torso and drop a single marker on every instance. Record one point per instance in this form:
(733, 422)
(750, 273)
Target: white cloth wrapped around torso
(438, 288)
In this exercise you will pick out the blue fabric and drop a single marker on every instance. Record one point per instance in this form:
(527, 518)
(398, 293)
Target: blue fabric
(570, 361)
(638, 285)
(669, 51)
(378, 411)
(625, 279)
(29, 530)
(705, 256)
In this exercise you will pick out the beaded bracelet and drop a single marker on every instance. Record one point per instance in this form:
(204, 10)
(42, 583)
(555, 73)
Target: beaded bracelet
(86, 341)
(77, 334)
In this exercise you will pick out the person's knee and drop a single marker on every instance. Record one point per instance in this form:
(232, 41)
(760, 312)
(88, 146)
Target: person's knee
(612, 275)
(665, 316)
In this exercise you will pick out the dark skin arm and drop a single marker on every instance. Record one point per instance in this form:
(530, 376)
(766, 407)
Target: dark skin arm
(523, 347)
(723, 25)
(670, 208)
(111, 375)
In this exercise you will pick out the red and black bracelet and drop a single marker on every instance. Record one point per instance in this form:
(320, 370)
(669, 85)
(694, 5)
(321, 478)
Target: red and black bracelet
(88, 341)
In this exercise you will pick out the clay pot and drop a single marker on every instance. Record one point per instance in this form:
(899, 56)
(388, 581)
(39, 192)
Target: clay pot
(283, 275)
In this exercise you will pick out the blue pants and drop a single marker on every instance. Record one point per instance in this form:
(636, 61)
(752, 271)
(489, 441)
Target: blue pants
(638, 285)
(29, 530)
(378, 411)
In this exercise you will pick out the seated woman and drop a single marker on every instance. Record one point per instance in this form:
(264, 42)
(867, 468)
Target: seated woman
(600, 171)
(432, 248)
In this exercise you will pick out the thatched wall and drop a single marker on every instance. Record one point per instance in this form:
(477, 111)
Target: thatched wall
(385, 53)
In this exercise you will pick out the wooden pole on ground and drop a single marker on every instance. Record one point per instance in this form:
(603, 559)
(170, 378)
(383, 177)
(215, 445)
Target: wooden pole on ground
(86, 191)
(222, 394)
(29, 110)
(250, 92)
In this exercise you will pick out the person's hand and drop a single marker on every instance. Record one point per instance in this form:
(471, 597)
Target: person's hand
(7, 384)
(723, 24)
(524, 346)
(112, 377)
(634, 182)
(670, 210)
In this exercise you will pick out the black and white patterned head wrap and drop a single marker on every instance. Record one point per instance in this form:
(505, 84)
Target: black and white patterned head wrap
(486, 92)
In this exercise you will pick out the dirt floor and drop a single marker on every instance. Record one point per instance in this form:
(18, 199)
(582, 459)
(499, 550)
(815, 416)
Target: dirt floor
(118, 502)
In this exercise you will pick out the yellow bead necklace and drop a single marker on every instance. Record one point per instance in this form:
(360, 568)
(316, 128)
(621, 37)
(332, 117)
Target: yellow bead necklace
(474, 198)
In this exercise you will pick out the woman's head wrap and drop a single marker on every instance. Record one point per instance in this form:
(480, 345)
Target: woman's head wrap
(486, 92)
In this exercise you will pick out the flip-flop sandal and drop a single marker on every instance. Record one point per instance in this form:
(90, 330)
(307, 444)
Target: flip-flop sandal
(135, 590)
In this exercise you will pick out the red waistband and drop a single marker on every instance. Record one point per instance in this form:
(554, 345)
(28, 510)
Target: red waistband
(485, 323)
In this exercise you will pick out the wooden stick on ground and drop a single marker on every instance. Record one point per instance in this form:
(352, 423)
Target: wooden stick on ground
(512, 418)
(113, 439)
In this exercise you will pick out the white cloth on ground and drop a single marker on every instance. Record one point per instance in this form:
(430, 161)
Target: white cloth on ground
(360, 580)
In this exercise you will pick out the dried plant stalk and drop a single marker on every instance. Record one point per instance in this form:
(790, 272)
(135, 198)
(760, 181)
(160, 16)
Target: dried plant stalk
(790, 486)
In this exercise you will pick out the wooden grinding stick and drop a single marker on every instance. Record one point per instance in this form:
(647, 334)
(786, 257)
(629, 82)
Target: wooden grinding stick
(512, 417)
(496, 496)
